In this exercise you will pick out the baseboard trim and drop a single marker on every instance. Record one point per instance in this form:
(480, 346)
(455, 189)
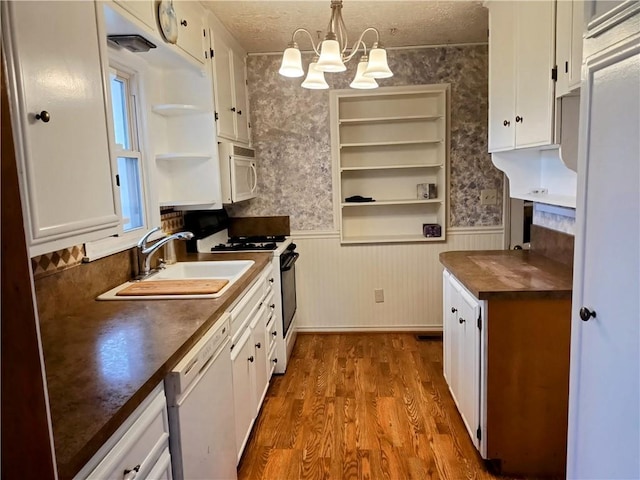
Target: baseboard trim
(372, 328)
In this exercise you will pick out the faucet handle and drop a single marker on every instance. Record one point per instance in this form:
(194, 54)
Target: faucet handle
(143, 241)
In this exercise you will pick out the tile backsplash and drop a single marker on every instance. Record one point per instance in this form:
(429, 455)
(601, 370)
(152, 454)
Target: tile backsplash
(291, 136)
(53, 262)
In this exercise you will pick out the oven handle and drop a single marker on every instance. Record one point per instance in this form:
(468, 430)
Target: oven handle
(289, 262)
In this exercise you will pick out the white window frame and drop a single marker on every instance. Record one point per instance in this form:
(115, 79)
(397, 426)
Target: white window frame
(127, 67)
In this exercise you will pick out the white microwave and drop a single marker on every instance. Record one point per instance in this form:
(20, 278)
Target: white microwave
(238, 175)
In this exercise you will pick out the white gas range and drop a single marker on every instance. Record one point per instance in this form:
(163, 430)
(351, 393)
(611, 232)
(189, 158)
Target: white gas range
(283, 260)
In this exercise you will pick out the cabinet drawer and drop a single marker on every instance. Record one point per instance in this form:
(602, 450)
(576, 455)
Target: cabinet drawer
(247, 307)
(273, 360)
(140, 446)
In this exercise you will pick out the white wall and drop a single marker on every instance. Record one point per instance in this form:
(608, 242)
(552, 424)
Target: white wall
(335, 284)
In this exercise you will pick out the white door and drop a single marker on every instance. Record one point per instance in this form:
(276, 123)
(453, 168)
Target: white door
(502, 82)
(469, 401)
(190, 29)
(261, 351)
(62, 112)
(223, 88)
(242, 357)
(446, 325)
(240, 90)
(604, 398)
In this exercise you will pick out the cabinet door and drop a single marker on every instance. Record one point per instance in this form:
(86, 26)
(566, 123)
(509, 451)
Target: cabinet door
(240, 104)
(260, 354)
(141, 9)
(577, 30)
(242, 357)
(223, 88)
(564, 27)
(446, 325)
(65, 161)
(535, 32)
(469, 344)
(605, 368)
(190, 29)
(502, 74)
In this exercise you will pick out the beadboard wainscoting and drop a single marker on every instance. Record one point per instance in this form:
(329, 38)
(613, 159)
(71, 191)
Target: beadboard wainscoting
(335, 283)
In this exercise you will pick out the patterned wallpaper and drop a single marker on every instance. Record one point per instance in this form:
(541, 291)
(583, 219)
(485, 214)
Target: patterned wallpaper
(291, 135)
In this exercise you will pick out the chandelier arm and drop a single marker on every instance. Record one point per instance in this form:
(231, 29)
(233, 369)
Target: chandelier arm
(344, 40)
(354, 49)
(313, 45)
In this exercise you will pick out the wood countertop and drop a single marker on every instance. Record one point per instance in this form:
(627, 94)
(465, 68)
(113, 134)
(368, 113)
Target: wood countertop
(509, 274)
(103, 358)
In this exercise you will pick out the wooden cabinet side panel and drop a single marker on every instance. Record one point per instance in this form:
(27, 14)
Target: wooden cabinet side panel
(528, 385)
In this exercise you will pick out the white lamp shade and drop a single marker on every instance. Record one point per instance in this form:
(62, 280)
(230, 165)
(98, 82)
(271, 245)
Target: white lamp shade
(378, 67)
(362, 82)
(330, 57)
(291, 63)
(315, 79)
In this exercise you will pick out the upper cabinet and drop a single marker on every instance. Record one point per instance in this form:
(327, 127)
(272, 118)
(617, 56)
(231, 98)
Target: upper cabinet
(521, 87)
(142, 10)
(58, 90)
(191, 30)
(569, 28)
(230, 87)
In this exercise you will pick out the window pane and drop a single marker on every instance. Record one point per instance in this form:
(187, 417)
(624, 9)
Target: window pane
(130, 193)
(120, 117)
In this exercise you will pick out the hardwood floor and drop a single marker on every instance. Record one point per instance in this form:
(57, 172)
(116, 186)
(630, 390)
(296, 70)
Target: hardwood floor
(361, 406)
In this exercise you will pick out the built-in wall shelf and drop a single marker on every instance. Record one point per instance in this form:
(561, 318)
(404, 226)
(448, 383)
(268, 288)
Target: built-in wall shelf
(388, 145)
(182, 156)
(178, 109)
(390, 119)
(388, 167)
(382, 144)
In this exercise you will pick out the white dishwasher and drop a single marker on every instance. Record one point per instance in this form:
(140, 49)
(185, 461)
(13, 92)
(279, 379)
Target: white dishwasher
(199, 394)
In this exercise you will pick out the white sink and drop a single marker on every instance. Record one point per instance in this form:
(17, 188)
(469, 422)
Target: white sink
(230, 270)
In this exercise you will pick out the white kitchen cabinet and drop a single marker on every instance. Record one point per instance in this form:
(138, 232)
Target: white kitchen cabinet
(251, 369)
(139, 447)
(604, 392)
(521, 87)
(384, 145)
(57, 83)
(569, 28)
(191, 30)
(230, 88)
(462, 352)
(143, 10)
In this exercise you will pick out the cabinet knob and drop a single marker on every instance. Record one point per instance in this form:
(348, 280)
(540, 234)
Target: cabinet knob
(250, 358)
(586, 314)
(258, 345)
(271, 280)
(183, 23)
(44, 116)
(274, 333)
(239, 112)
(506, 123)
(519, 119)
(461, 320)
(233, 109)
(275, 360)
(130, 473)
(454, 309)
(272, 306)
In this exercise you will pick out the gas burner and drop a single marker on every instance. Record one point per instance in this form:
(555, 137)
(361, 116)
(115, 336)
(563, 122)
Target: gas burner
(243, 247)
(257, 239)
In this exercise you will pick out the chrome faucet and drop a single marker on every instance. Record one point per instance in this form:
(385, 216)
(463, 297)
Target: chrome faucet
(145, 253)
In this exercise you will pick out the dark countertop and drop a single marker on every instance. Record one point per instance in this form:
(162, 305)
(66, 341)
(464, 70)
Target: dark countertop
(103, 358)
(509, 274)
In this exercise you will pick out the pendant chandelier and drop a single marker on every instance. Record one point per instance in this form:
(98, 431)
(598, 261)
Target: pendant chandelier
(332, 54)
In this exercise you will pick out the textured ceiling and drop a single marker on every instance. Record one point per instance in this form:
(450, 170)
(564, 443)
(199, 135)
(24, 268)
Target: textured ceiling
(266, 26)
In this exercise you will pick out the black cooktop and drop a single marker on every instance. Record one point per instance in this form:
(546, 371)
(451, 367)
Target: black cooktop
(237, 244)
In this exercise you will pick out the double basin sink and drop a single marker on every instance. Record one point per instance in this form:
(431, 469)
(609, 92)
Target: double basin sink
(231, 271)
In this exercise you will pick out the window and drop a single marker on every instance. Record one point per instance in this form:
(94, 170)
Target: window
(129, 177)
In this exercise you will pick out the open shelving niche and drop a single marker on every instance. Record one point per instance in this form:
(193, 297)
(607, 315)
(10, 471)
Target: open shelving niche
(186, 156)
(384, 144)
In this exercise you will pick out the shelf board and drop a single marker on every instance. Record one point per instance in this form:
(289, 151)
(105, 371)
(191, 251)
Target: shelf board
(381, 144)
(391, 239)
(391, 202)
(406, 118)
(389, 167)
(176, 203)
(182, 156)
(177, 109)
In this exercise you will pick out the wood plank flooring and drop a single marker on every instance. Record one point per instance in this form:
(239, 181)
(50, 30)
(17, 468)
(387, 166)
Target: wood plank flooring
(361, 406)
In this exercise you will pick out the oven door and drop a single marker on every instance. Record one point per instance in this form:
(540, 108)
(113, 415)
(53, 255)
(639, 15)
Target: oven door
(288, 280)
(244, 178)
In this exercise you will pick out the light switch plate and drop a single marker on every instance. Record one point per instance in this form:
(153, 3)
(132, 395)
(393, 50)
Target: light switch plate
(488, 197)
(379, 295)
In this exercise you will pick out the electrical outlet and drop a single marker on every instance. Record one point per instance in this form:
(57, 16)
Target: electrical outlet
(488, 197)
(379, 295)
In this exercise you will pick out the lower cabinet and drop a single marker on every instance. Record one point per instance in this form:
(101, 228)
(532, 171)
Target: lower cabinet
(140, 447)
(251, 347)
(506, 361)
